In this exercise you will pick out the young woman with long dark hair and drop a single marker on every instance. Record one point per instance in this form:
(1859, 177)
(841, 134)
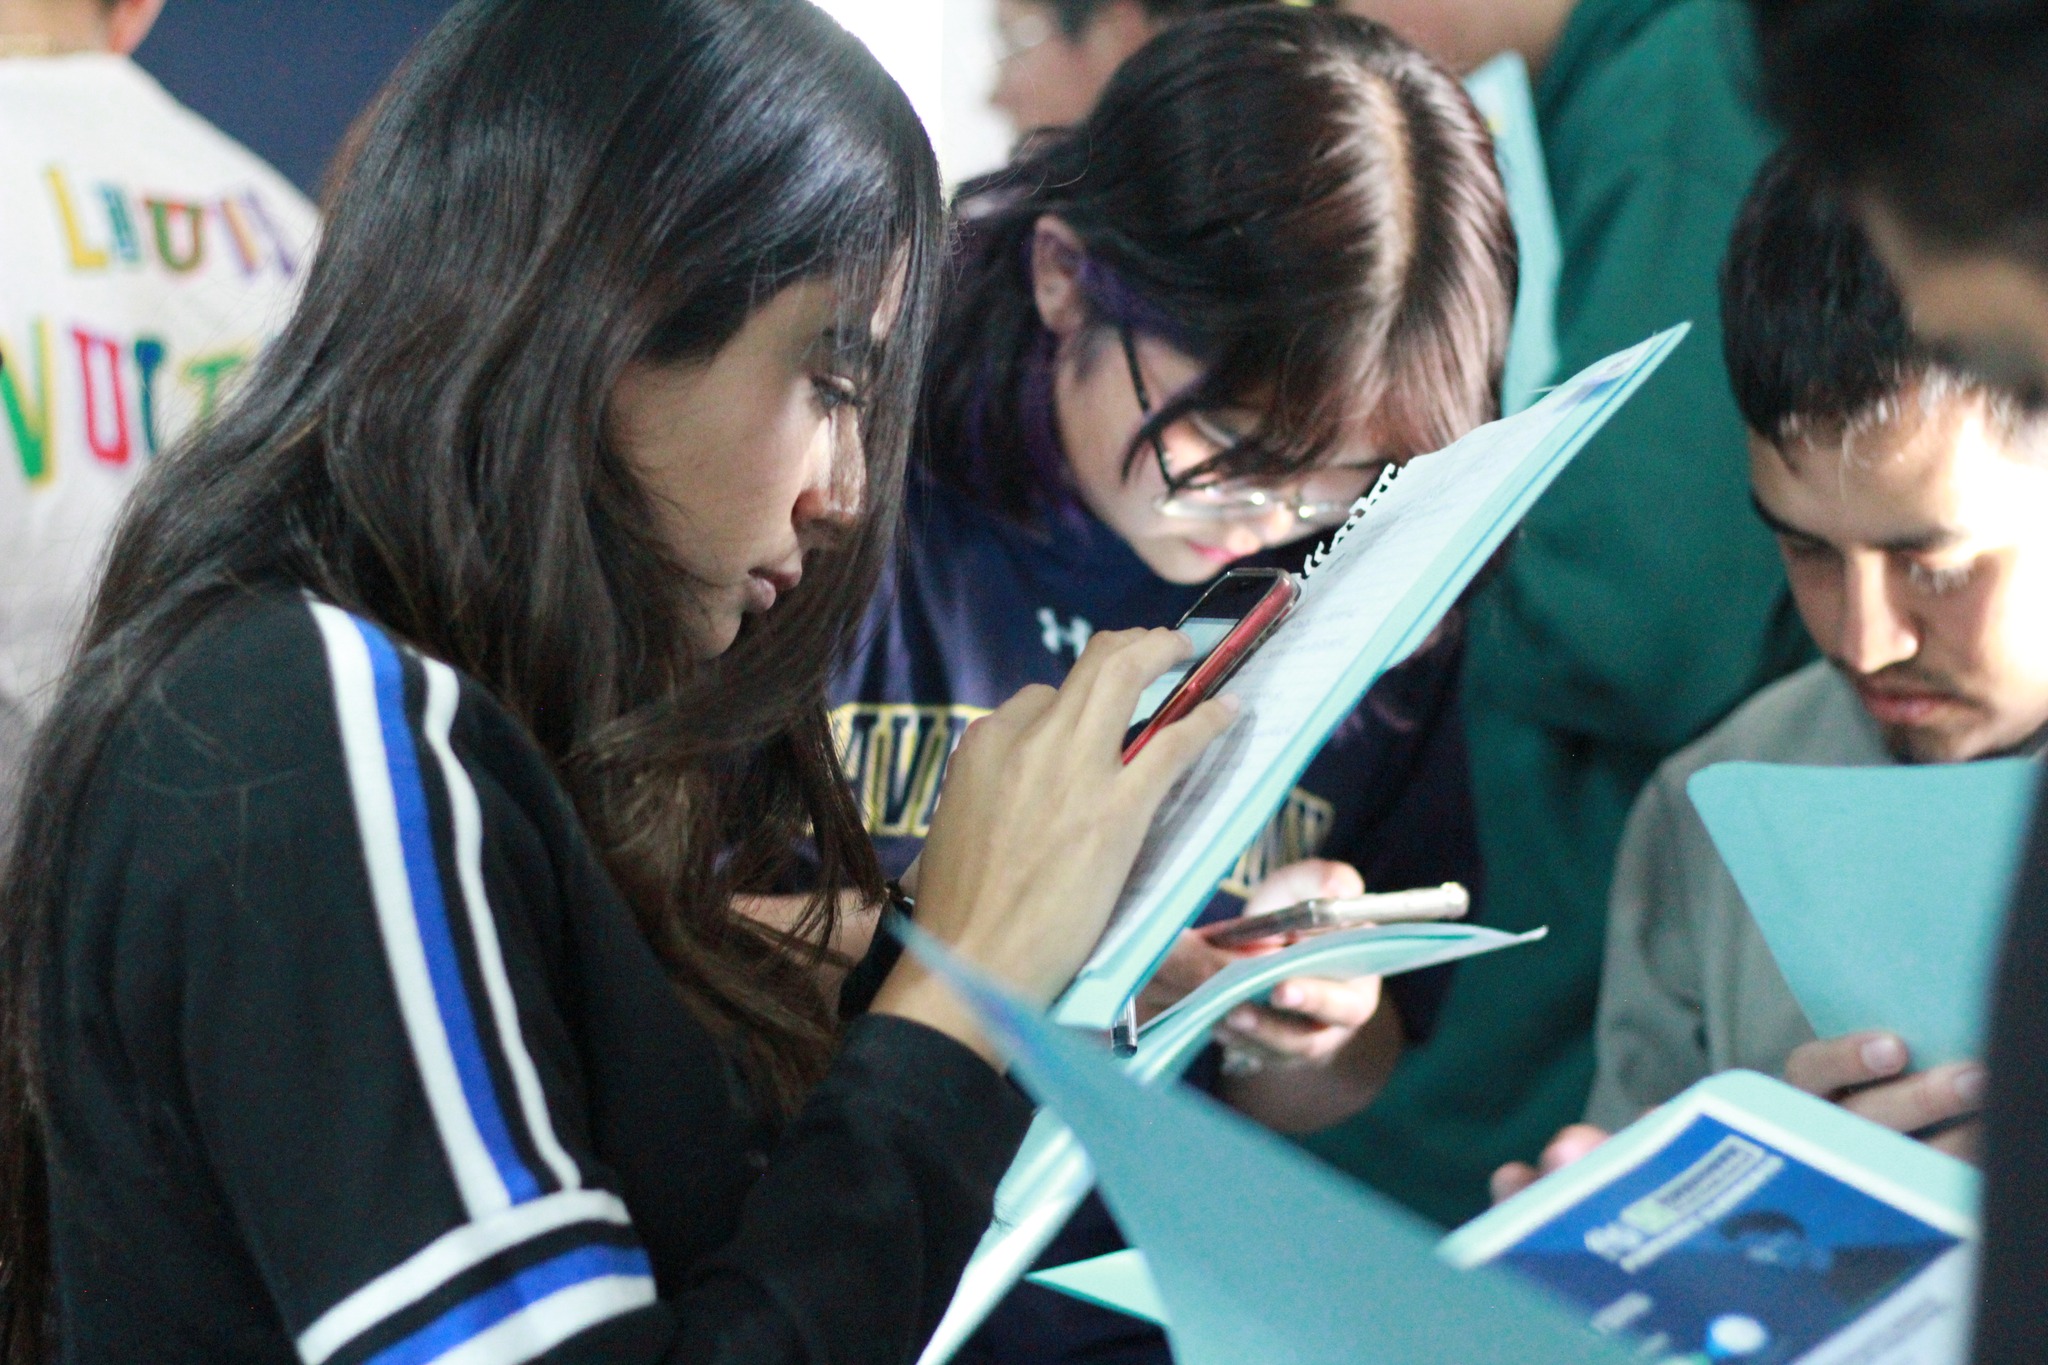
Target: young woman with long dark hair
(373, 983)
(1185, 335)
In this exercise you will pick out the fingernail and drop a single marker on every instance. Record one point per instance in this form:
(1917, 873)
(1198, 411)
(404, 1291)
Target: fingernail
(1231, 702)
(1243, 1018)
(1287, 997)
(1884, 1055)
(1970, 1086)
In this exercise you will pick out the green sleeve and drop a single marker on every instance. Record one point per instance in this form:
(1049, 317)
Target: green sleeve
(1643, 599)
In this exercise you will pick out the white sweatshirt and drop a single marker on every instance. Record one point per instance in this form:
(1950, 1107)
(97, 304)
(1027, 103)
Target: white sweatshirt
(145, 257)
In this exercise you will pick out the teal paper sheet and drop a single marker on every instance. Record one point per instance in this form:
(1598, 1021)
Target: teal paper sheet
(1051, 1176)
(1120, 1282)
(1501, 90)
(1370, 599)
(1262, 1255)
(1881, 891)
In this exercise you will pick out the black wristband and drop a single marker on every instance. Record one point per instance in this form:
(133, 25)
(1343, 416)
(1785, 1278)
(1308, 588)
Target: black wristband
(864, 982)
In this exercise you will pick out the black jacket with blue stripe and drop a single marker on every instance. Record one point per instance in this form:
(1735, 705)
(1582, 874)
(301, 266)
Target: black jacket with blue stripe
(356, 1055)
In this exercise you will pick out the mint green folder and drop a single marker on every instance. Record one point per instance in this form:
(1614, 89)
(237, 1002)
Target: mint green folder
(1881, 891)
(1261, 1254)
(1501, 90)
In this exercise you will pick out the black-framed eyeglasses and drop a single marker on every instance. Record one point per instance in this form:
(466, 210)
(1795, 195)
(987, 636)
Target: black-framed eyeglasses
(1323, 497)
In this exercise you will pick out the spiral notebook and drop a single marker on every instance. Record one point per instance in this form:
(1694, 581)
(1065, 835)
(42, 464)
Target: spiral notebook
(1369, 599)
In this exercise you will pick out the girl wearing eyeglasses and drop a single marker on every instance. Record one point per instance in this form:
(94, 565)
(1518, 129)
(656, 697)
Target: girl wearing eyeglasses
(1187, 335)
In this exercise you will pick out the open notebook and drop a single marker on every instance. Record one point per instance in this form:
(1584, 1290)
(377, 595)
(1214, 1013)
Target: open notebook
(1370, 598)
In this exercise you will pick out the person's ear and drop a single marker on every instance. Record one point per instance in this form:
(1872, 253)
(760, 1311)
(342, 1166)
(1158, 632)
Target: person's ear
(129, 22)
(1057, 255)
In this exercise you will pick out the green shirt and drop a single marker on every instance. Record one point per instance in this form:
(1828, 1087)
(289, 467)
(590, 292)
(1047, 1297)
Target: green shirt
(1641, 602)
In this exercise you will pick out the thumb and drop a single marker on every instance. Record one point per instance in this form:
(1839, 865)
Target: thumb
(1308, 879)
(1338, 879)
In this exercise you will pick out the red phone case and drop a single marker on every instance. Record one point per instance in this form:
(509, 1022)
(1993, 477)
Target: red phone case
(1197, 687)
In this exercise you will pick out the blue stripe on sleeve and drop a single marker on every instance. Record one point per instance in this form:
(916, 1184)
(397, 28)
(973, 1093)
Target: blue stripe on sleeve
(430, 913)
(521, 1292)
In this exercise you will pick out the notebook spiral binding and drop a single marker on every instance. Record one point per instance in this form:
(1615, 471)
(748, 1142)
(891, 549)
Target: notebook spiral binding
(1364, 505)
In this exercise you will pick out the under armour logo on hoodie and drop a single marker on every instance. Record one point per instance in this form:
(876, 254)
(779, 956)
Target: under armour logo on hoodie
(1059, 638)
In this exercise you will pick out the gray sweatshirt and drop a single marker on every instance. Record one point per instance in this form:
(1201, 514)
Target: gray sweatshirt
(1689, 987)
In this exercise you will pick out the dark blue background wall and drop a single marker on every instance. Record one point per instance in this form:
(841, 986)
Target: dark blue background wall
(284, 76)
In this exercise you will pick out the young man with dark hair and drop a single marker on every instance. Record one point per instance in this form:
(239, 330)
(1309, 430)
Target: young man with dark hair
(1933, 117)
(1056, 55)
(1910, 503)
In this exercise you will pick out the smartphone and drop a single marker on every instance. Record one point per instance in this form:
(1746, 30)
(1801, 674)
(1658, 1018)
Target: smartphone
(1233, 618)
(1449, 901)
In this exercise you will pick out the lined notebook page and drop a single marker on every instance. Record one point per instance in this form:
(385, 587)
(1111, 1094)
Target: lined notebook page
(1367, 602)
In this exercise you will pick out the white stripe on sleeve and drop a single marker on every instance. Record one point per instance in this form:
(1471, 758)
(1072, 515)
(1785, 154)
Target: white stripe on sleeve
(448, 1256)
(362, 741)
(535, 1331)
(443, 691)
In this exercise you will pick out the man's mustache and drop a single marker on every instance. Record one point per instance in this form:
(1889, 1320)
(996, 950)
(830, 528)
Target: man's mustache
(1906, 676)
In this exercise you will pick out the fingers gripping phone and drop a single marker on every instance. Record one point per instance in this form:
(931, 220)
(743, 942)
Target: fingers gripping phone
(1449, 901)
(1233, 618)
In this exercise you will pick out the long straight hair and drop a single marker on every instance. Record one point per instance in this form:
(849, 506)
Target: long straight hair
(547, 193)
(1296, 199)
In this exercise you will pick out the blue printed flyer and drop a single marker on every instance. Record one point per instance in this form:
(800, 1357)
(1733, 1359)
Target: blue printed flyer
(1712, 1232)
(1721, 1247)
